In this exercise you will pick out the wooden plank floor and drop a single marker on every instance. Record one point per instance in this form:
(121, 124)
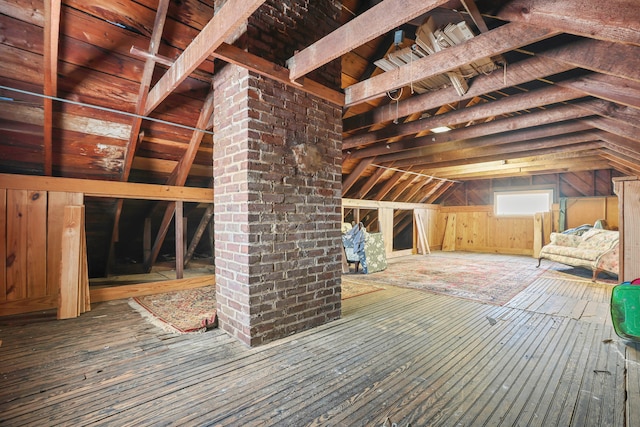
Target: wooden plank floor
(547, 358)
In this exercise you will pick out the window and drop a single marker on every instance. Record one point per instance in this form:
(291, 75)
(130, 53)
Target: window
(522, 202)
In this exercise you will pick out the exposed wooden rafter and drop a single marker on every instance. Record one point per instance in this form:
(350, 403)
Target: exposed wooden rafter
(51, 39)
(221, 26)
(497, 41)
(383, 17)
(616, 22)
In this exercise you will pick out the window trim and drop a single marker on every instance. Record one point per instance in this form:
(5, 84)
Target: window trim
(496, 193)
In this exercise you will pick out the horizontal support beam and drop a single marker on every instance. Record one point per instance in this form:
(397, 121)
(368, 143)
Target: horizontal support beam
(110, 293)
(114, 189)
(375, 204)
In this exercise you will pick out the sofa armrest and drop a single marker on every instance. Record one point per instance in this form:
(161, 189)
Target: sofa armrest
(560, 239)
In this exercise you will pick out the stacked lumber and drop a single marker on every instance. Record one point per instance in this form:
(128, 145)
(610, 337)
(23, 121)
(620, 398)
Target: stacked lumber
(73, 298)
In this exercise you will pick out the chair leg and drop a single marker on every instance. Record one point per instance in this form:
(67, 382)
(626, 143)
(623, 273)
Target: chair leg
(357, 265)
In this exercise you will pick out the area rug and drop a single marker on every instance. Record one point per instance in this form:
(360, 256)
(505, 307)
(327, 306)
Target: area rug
(487, 278)
(194, 310)
(189, 310)
(352, 289)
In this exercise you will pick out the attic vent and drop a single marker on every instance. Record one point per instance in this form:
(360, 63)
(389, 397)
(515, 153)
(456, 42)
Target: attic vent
(430, 40)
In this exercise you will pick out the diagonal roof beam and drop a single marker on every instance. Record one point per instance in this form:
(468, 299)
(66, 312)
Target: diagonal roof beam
(384, 17)
(615, 89)
(599, 56)
(145, 84)
(223, 23)
(616, 20)
(391, 182)
(535, 98)
(542, 117)
(520, 72)
(179, 177)
(51, 39)
(504, 152)
(490, 140)
(355, 174)
(497, 41)
(136, 124)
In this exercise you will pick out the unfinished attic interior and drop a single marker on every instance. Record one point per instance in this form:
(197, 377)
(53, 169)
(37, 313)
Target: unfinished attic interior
(230, 150)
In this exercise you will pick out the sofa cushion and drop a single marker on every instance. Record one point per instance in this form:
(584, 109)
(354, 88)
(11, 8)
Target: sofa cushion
(600, 240)
(570, 240)
(572, 252)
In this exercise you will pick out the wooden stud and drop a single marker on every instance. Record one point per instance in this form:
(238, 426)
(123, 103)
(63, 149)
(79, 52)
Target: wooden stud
(206, 219)
(179, 229)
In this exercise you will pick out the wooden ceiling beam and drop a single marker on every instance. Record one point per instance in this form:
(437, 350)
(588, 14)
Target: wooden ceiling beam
(145, 84)
(235, 55)
(526, 169)
(491, 140)
(610, 88)
(371, 181)
(391, 182)
(622, 159)
(625, 130)
(179, 177)
(136, 123)
(626, 144)
(617, 112)
(383, 17)
(520, 72)
(221, 26)
(497, 41)
(617, 21)
(502, 152)
(599, 56)
(438, 192)
(110, 189)
(51, 41)
(355, 174)
(536, 118)
(524, 101)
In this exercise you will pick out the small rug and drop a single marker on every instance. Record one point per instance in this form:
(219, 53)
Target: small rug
(189, 310)
(487, 278)
(352, 289)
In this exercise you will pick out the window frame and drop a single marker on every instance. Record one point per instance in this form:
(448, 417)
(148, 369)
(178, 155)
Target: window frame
(502, 192)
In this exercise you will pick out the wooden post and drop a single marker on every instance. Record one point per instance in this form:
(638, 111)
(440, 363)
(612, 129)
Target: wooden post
(538, 236)
(146, 239)
(179, 226)
(206, 218)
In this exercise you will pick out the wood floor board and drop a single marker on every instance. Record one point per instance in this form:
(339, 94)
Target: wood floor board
(127, 398)
(423, 366)
(549, 357)
(354, 366)
(488, 379)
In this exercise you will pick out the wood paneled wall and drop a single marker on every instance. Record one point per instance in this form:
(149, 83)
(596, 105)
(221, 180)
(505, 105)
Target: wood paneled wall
(478, 229)
(30, 245)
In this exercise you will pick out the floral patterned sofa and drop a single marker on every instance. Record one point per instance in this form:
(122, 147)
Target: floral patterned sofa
(596, 249)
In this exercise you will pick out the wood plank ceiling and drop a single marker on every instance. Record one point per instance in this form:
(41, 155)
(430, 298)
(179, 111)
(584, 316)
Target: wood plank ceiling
(562, 93)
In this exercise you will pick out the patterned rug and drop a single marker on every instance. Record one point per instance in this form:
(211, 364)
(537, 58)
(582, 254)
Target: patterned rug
(194, 310)
(352, 289)
(487, 278)
(189, 310)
